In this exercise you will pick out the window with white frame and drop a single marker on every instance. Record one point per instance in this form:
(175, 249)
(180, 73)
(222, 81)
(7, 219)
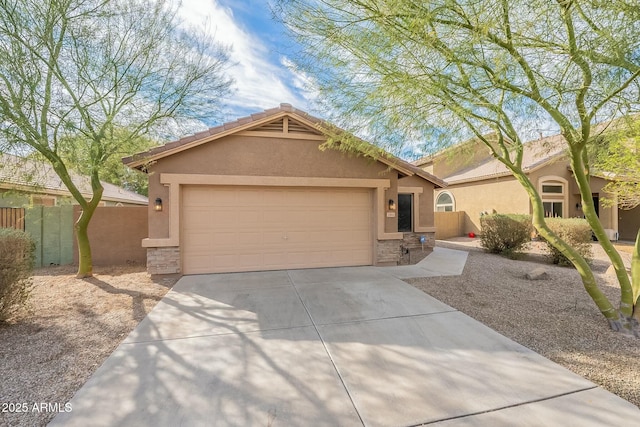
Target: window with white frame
(445, 202)
(552, 209)
(553, 191)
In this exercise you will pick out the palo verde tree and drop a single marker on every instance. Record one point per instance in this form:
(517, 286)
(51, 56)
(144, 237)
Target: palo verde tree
(101, 73)
(446, 70)
(112, 170)
(616, 154)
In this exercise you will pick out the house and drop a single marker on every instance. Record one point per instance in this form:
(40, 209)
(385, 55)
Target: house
(478, 183)
(259, 194)
(26, 182)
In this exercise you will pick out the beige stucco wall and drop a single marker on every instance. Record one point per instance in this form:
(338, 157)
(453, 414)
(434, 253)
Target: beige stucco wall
(608, 216)
(460, 157)
(557, 168)
(242, 155)
(504, 195)
(391, 223)
(259, 156)
(429, 168)
(629, 223)
(425, 205)
(557, 171)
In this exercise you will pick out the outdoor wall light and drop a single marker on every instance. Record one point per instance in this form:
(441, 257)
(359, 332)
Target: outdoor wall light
(158, 205)
(392, 205)
(578, 205)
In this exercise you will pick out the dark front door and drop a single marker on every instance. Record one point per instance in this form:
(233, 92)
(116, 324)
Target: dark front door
(405, 212)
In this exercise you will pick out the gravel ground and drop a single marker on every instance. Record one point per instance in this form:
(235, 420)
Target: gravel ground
(69, 328)
(71, 325)
(554, 317)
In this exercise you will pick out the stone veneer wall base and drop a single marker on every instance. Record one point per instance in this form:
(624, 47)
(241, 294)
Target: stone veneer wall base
(387, 252)
(412, 250)
(407, 251)
(163, 260)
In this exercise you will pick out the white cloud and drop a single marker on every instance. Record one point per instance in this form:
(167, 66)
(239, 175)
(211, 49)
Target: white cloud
(304, 83)
(259, 83)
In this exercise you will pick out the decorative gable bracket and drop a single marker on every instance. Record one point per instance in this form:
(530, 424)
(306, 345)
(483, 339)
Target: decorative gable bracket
(285, 127)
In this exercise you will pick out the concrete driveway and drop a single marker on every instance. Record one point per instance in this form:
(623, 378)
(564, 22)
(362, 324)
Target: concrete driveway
(328, 347)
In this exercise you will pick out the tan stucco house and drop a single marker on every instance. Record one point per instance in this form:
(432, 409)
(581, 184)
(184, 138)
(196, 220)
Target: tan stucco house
(479, 183)
(259, 194)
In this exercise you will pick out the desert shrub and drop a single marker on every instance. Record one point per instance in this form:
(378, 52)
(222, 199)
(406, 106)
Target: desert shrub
(17, 254)
(506, 235)
(576, 232)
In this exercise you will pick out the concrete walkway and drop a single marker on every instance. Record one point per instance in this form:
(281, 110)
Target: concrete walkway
(329, 347)
(441, 262)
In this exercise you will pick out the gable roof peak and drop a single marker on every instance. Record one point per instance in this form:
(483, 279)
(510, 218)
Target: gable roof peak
(255, 122)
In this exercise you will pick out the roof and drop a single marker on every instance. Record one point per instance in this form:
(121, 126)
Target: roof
(535, 155)
(452, 149)
(17, 173)
(264, 118)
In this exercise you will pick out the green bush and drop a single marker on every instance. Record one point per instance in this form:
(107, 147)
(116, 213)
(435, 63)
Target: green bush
(576, 232)
(17, 254)
(506, 235)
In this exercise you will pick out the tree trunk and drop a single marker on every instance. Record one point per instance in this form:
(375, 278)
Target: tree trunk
(581, 265)
(635, 284)
(85, 260)
(582, 179)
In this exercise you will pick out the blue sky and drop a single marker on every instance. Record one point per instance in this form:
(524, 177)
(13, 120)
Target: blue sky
(260, 50)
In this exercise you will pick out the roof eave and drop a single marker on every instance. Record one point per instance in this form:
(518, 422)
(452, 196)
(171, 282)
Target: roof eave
(480, 178)
(33, 189)
(526, 170)
(63, 193)
(121, 200)
(138, 160)
(423, 161)
(439, 183)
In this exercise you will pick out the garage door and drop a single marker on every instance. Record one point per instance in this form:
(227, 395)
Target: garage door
(228, 229)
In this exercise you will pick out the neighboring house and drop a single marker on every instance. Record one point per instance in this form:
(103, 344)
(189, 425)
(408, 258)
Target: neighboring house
(25, 182)
(479, 183)
(259, 194)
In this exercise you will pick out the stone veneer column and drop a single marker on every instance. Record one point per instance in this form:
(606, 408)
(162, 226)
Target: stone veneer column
(164, 260)
(388, 252)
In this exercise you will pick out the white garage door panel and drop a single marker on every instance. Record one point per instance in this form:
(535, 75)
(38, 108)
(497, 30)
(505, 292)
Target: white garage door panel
(249, 228)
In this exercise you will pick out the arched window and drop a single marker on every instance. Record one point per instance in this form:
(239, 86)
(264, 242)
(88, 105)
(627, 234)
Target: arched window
(554, 194)
(445, 202)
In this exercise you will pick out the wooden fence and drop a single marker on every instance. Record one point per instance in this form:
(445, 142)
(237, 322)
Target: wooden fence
(12, 218)
(449, 224)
